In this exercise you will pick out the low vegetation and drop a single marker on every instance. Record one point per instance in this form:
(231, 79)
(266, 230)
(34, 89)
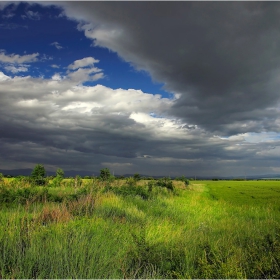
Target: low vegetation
(136, 228)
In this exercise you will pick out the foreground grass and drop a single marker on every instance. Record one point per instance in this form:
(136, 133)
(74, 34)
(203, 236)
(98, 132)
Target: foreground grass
(120, 230)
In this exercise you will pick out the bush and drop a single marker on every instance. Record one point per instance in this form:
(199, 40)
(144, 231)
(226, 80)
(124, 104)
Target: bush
(104, 174)
(38, 174)
(165, 183)
(56, 182)
(60, 173)
(137, 177)
(131, 190)
(183, 179)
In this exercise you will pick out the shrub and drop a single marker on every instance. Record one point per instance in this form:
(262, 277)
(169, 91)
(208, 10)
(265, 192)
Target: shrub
(151, 184)
(59, 173)
(38, 174)
(165, 183)
(104, 174)
(183, 179)
(137, 177)
(56, 182)
(130, 189)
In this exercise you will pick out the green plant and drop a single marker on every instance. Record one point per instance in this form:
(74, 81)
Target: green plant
(130, 189)
(105, 175)
(166, 183)
(1, 178)
(38, 174)
(60, 173)
(78, 181)
(90, 234)
(56, 181)
(151, 184)
(183, 179)
(137, 177)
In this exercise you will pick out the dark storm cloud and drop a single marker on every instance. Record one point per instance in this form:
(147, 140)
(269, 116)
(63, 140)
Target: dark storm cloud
(222, 57)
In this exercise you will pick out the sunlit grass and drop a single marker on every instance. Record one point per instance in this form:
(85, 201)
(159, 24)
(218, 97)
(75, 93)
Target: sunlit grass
(102, 230)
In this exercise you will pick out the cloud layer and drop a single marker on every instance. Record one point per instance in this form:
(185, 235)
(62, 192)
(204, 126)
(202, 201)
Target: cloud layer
(69, 124)
(222, 57)
(18, 59)
(219, 59)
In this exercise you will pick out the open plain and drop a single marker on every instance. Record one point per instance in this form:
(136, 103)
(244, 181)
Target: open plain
(129, 229)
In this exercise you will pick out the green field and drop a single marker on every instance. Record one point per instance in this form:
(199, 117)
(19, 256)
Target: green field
(127, 229)
(251, 193)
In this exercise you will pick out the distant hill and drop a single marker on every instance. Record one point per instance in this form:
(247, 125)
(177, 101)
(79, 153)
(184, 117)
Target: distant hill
(27, 172)
(73, 173)
(16, 172)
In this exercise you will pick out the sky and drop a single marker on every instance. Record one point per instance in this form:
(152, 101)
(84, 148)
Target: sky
(157, 88)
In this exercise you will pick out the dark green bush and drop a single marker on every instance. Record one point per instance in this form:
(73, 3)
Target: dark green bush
(165, 183)
(131, 190)
(137, 177)
(183, 179)
(38, 175)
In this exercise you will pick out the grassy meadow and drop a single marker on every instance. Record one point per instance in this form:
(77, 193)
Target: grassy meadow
(130, 229)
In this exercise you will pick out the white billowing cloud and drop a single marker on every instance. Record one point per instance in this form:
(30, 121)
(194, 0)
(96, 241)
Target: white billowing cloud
(14, 69)
(3, 77)
(56, 77)
(58, 99)
(84, 70)
(161, 126)
(57, 45)
(85, 74)
(103, 100)
(16, 58)
(85, 62)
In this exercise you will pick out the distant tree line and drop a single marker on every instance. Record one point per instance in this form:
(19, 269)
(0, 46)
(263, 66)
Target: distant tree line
(38, 176)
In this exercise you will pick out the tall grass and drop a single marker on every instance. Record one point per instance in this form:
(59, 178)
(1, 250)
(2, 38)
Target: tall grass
(140, 229)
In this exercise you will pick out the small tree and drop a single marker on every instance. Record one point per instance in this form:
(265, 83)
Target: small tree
(165, 182)
(137, 177)
(183, 179)
(60, 173)
(58, 178)
(105, 174)
(38, 174)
